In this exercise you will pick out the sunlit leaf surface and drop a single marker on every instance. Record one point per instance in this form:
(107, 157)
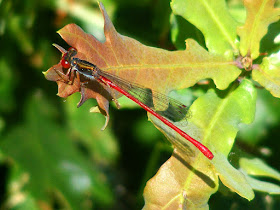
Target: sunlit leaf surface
(213, 20)
(268, 74)
(157, 69)
(214, 122)
(260, 14)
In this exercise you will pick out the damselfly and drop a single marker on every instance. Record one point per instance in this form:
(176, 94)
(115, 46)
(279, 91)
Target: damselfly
(173, 110)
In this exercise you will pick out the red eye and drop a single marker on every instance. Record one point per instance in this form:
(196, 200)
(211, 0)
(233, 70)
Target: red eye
(65, 64)
(72, 48)
(67, 57)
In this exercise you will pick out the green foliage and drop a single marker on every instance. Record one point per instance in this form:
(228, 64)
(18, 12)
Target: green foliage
(213, 20)
(50, 160)
(260, 14)
(55, 156)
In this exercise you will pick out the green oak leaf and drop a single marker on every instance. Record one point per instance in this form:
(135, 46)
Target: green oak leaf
(258, 167)
(179, 26)
(268, 74)
(214, 122)
(219, 118)
(262, 186)
(213, 20)
(267, 117)
(260, 14)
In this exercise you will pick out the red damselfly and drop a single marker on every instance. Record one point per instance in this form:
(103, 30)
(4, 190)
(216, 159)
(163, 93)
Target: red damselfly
(144, 97)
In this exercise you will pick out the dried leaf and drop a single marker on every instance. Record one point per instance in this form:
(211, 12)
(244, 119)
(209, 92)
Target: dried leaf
(157, 69)
(260, 14)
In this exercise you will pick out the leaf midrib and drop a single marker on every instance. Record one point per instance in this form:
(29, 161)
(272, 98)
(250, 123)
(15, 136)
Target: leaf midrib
(170, 66)
(253, 33)
(218, 23)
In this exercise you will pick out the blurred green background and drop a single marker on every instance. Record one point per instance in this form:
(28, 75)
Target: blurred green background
(53, 155)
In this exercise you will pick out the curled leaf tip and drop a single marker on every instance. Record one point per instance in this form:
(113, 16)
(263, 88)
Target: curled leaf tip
(96, 109)
(61, 49)
(106, 122)
(81, 102)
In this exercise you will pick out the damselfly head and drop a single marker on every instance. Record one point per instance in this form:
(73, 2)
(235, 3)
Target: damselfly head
(72, 51)
(66, 58)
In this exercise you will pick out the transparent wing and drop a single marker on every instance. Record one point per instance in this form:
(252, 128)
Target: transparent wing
(166, 106)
